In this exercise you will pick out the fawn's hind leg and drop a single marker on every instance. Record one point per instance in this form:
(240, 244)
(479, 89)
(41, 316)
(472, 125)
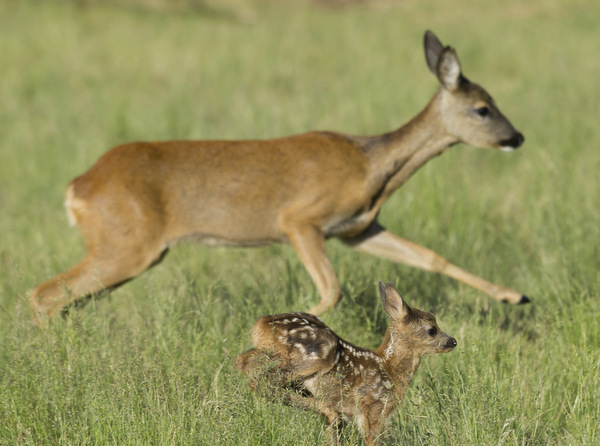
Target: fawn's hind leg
(264, 372)
(245, 361)
(269, 379)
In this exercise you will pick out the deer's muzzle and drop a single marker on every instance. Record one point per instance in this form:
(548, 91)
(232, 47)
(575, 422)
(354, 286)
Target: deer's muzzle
(514, 142)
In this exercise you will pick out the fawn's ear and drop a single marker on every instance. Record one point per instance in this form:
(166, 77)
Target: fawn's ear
(392, 302)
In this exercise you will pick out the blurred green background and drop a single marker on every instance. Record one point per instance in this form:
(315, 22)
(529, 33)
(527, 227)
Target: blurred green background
(152, 362)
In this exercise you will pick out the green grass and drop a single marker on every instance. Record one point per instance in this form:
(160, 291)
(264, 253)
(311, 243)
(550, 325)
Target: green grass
(152, 362)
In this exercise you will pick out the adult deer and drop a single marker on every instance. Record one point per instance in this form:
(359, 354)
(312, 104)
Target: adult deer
(141, 198)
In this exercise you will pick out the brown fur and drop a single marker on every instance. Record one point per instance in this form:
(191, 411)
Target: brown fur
(140, 199)
(339, 379)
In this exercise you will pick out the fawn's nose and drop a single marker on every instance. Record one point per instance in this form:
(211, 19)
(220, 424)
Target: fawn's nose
(451, 343)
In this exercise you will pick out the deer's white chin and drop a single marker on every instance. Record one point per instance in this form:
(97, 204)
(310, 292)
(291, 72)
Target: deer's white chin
(507, 149)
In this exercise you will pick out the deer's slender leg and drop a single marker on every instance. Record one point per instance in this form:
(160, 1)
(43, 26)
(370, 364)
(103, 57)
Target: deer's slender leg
(88, 277)
(83, 279)
(376, 240)
(309, 243)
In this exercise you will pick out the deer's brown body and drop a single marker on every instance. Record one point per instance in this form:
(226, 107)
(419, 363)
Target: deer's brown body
(341, 380)
(139, 199)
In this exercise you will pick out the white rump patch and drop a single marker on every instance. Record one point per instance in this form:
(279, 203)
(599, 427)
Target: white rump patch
(72, 205)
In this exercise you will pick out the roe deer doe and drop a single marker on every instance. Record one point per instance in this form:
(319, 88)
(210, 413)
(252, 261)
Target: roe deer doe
(341, 380)
(139, 199)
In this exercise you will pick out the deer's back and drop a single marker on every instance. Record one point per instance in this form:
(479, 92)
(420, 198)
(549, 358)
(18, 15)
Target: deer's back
(207, 188)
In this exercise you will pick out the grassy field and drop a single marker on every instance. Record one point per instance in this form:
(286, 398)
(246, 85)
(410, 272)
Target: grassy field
(151, 364)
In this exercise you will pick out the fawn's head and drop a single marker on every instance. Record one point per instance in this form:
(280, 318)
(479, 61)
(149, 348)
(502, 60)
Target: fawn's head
(468, 112)
(411, 330)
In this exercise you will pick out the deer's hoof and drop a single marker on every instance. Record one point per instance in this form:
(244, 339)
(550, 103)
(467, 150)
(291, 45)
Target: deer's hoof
(524, 300)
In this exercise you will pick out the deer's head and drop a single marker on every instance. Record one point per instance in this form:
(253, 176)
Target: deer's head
(468, 113)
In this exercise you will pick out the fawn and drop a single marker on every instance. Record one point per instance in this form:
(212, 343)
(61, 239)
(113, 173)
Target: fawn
(142, 198)
(336, 378)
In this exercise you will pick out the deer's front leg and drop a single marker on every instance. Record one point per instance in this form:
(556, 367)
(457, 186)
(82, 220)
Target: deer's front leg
(309, 243)
(378, 241)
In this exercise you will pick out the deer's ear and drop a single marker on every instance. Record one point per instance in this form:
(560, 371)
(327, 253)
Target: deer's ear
(392, 302)
(433, 50)
(448, 69)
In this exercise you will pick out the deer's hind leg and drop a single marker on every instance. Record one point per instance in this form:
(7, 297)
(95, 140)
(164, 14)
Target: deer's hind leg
(114, 257)
(88, 278)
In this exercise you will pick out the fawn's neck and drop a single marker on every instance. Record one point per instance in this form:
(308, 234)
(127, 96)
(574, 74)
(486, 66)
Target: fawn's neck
(400, 361)
(395, 156)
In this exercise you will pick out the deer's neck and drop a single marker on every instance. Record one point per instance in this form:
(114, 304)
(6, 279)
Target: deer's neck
(395, 156)
(400, 361)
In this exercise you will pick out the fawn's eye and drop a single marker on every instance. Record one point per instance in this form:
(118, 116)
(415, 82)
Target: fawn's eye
(432, 332)
(483, 111)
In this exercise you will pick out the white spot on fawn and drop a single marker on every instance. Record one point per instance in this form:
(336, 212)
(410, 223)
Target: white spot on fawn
(390, 348)
(301, 348)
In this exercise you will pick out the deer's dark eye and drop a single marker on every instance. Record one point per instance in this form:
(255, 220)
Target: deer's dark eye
(483, 111)
(432, 332)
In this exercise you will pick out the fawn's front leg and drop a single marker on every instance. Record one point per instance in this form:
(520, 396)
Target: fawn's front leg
(376, 240)
(371, 420)
(334, 419)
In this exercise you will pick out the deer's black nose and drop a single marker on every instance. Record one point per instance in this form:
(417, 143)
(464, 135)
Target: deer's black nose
(519, 139)
(514, 141)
